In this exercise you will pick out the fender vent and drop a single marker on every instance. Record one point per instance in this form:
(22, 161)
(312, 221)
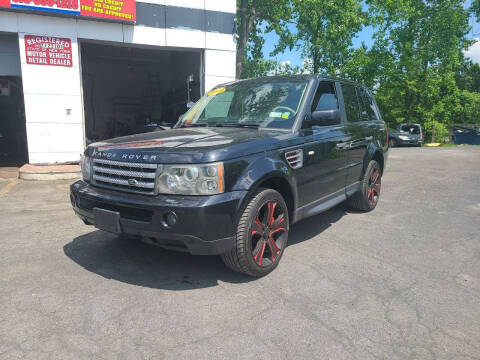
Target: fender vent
(295, 158)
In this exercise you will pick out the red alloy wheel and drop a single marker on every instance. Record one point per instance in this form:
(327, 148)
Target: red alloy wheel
(374, 186)
(266, 236)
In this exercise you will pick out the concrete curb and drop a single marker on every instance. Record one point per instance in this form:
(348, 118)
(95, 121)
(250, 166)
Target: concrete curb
(49, 172)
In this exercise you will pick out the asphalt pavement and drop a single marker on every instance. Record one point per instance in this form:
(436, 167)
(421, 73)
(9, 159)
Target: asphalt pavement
(401, 282)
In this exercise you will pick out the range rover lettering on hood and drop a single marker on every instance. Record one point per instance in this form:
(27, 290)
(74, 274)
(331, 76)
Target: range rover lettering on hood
(109, 155)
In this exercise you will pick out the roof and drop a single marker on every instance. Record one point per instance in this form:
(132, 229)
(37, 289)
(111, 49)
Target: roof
(305, 77)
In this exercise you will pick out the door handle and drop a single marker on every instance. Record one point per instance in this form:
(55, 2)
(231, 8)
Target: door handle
(369, 138)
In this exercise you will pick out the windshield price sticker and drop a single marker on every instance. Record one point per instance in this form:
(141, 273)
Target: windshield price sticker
(48, 50)
(216, 91)
(276, 114)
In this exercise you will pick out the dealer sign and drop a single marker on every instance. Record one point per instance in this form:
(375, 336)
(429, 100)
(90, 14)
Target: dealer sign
(48, 50)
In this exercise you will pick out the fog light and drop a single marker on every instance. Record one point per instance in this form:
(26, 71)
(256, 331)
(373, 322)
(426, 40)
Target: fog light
(169, 219)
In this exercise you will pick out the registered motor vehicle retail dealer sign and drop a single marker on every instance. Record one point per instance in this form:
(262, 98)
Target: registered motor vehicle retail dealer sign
(48, 50)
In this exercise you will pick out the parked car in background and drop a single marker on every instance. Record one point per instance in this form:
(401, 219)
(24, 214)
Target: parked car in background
(246, 162)
(407, 134)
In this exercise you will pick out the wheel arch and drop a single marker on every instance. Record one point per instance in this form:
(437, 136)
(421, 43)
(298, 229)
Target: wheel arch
(270, 174)
(283, 186)
(379, 158)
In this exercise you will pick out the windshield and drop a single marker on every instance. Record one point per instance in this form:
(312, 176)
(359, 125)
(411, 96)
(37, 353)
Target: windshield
(266, 103)
(412, 129)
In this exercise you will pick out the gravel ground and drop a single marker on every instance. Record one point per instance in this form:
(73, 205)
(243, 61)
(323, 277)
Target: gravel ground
(402, 282)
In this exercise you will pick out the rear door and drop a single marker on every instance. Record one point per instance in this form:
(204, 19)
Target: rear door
(322, 177)
(357, 129)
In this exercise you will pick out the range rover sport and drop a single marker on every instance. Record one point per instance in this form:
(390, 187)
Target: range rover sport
(247, 161)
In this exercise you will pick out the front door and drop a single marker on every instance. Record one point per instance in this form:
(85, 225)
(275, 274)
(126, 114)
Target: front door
(322, 177)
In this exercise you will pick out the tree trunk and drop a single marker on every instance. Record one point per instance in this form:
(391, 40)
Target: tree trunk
(247, 19)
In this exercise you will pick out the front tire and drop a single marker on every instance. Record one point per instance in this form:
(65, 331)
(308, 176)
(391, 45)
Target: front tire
(262, 235)
(366, 199)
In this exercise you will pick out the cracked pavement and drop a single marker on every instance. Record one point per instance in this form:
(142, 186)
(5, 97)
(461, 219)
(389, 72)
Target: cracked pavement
(402, 282)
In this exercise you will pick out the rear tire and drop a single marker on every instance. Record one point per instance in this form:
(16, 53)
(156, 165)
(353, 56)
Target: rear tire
(262, 235)
(366, 199)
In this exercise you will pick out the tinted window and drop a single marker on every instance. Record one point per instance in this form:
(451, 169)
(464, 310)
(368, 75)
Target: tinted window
(368, 110)
(326, 97)
(351, 102)
(412, 129)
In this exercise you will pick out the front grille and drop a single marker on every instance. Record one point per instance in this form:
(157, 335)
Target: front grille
(125, 176)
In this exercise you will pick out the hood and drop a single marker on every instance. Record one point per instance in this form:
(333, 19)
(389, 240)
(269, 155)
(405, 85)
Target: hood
(188, 145)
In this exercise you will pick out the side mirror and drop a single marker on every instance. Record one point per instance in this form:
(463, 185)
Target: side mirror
(325, 118)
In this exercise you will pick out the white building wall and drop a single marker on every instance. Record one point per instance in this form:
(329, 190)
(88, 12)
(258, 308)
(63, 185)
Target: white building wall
(53, 95)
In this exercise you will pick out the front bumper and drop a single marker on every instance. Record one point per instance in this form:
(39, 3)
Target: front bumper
(408, 142)
(205, 225)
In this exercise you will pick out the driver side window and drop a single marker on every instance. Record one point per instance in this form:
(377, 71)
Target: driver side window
(325, 97)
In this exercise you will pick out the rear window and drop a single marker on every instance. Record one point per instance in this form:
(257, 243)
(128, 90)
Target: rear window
(411, 129)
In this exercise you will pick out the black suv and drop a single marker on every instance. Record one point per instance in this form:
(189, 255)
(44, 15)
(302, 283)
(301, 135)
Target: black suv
(247, 161)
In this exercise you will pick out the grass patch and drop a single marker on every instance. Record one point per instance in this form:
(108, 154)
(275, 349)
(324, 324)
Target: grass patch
(455, 145)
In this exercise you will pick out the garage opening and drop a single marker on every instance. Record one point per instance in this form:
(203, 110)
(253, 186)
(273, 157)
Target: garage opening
(130, 90)
(13, 134)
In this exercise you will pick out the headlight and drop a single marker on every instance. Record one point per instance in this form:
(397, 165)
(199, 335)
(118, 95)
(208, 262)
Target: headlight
(191, 179)
(86, 165)
(403, 137)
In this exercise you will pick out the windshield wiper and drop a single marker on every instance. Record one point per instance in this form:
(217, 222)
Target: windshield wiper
(240, 125)
(201, 124)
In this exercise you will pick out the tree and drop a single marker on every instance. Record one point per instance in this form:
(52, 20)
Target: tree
(324, 32)
(421, 43)
(254, 64)
(252, 13)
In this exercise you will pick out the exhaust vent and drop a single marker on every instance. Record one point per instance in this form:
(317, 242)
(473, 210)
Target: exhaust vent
(295, 158)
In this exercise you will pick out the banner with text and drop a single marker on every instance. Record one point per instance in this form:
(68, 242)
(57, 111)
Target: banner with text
(123, 10)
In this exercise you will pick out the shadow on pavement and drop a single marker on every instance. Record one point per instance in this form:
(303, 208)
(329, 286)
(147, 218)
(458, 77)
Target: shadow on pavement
(136, 263)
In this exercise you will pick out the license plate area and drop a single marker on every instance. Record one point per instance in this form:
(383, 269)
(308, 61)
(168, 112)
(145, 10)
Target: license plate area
(107, 220)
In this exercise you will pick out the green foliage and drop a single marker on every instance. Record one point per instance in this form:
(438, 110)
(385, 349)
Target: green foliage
(416, 65)
(325, 29)
(254, 64)
(438, 131)
(250, 15)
